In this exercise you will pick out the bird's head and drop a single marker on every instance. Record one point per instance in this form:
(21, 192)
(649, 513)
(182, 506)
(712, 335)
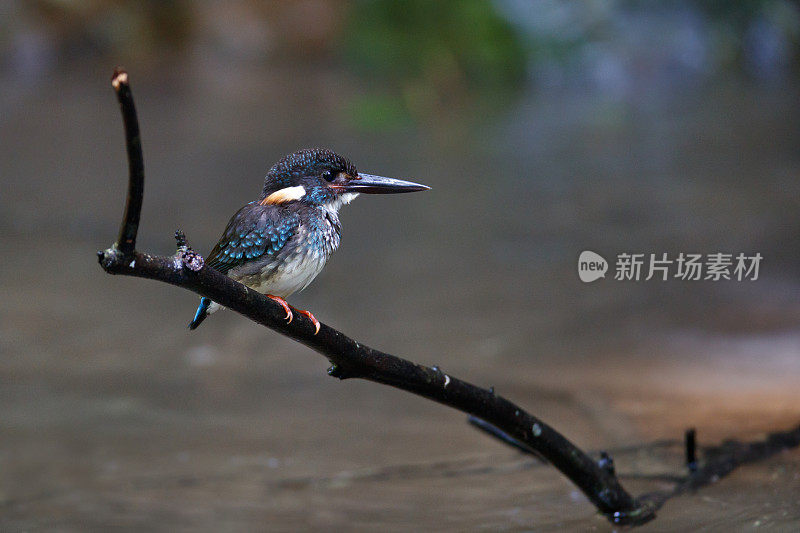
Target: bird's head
(321, 177)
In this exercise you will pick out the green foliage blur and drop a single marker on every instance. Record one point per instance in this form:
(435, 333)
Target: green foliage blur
(441, 65)
(431, 57)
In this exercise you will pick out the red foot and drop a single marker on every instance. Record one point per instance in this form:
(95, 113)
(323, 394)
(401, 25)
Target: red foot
(285, 305)
(311, 318)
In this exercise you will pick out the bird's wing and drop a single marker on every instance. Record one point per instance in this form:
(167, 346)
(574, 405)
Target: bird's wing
(254, 232)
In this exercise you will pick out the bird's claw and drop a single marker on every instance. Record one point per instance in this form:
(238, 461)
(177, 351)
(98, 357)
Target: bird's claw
(289, 317)
(312, 318)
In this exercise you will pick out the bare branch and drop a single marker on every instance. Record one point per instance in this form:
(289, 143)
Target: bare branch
(351, 359)
(133, 141)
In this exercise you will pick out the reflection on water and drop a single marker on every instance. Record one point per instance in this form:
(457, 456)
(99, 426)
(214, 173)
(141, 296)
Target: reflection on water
(115, 415)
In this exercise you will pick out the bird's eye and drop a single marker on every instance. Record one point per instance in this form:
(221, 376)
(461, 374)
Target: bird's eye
(328, 175)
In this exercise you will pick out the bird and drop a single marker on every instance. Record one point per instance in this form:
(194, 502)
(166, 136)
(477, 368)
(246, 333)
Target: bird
(278, 244)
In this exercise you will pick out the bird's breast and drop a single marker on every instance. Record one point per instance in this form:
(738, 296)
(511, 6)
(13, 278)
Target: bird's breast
(299, 262)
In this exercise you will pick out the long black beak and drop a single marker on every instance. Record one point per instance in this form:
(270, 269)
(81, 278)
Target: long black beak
(367, 183)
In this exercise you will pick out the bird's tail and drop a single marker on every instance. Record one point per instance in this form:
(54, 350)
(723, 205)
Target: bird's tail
(201, 314)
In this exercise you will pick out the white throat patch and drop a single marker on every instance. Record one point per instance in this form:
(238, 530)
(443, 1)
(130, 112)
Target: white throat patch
(347, 197)
(282, 196)
(342, 199)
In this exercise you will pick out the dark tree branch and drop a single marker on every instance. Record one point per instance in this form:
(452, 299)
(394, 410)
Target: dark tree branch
(133, 142)
(351, 359)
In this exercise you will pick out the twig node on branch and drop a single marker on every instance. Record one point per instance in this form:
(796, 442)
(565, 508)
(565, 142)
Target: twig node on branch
(606, 462)
(120, 77)
(180, 238)
(192, 260)
(109, 257)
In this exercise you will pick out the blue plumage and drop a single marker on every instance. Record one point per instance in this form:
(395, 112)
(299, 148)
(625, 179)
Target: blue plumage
(253, 232)
(278, 244)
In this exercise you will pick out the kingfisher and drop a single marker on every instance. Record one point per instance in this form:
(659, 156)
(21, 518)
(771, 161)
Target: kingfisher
(278, 244)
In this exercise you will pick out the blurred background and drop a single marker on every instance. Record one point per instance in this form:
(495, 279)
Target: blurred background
(544, 129)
